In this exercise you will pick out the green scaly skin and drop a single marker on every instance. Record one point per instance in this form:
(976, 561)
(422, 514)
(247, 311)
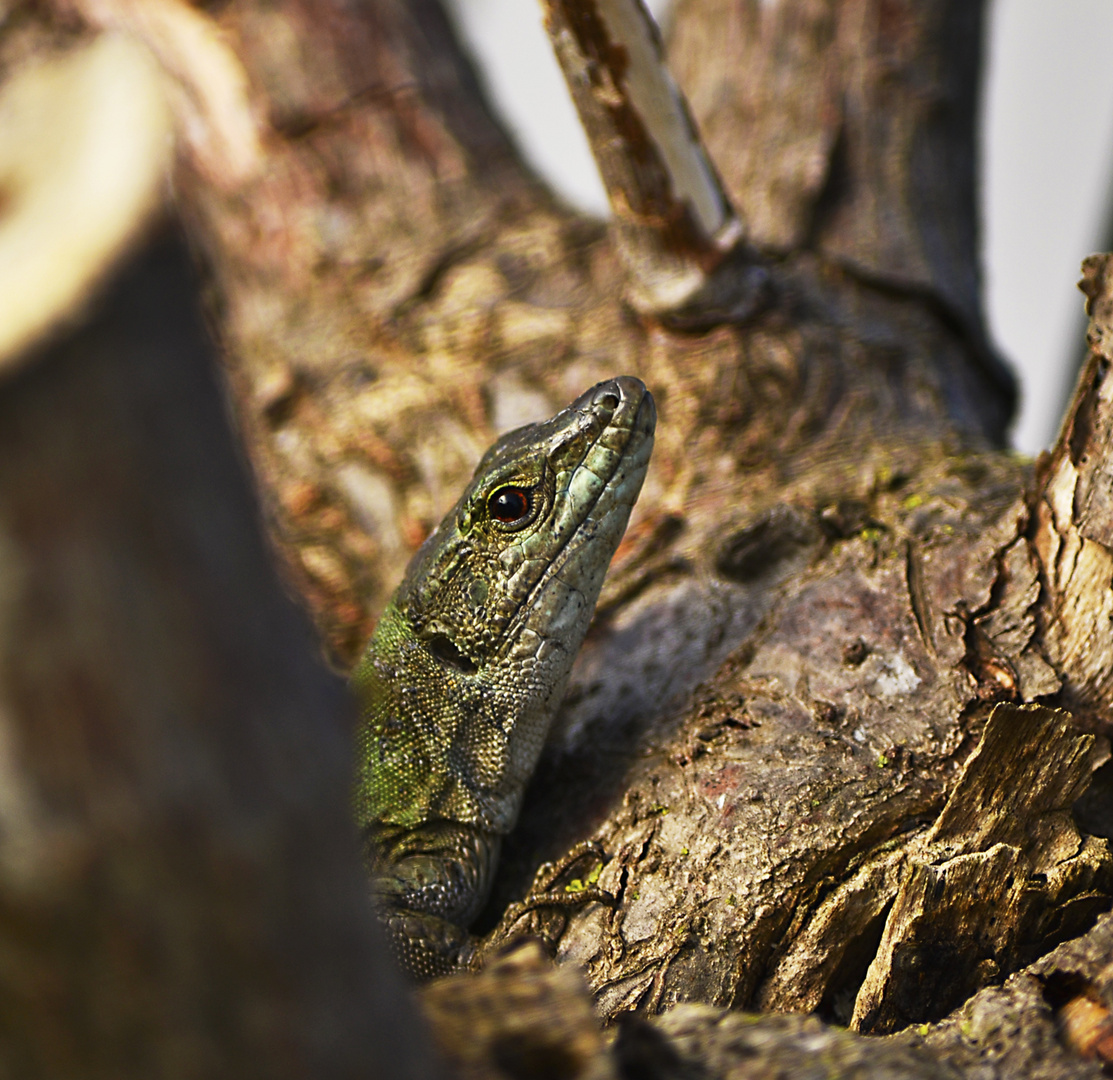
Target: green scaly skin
(471, 658)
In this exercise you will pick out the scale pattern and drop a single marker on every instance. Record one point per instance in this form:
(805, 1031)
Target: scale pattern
(471, 658)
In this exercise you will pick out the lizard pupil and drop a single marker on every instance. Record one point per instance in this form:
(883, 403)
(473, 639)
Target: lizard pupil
(509, 505)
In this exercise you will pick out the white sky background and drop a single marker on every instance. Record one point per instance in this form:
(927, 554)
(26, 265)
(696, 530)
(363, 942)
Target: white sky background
(1047, 146)
(1047, 160)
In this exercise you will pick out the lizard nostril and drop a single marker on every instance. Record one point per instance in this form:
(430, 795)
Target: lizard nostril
(608, 401)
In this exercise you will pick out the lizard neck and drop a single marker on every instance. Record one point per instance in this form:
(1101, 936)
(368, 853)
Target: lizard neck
(470, 660)
(421, 716)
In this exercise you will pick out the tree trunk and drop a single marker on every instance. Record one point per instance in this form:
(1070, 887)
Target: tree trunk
(179, 886)
(838, 721)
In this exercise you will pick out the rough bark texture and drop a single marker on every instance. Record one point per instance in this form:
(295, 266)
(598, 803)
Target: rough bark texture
(395, 289)
(840, 724)
(1074, 520)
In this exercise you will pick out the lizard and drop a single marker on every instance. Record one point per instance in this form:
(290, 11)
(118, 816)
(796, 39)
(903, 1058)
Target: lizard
(469, 661)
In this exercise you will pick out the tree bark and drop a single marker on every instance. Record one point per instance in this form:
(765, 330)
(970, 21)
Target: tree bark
(180, 892)
(837, 724)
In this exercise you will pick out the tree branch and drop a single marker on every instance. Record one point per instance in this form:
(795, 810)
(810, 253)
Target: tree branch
(673, 221)
(180, 890)
(849, 128)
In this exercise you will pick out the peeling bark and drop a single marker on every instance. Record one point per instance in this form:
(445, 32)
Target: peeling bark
(1050, 1021)
(1074, 520)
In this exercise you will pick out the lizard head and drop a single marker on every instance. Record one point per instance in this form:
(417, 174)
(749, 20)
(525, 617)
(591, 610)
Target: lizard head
(471, 659)
(520, 559)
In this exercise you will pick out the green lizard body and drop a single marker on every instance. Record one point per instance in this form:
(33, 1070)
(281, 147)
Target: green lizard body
(471, 658)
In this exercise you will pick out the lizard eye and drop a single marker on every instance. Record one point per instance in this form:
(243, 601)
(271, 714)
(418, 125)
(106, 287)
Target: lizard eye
(510, 505)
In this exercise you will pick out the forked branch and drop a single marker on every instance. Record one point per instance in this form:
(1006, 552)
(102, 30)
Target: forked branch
(674, 222)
